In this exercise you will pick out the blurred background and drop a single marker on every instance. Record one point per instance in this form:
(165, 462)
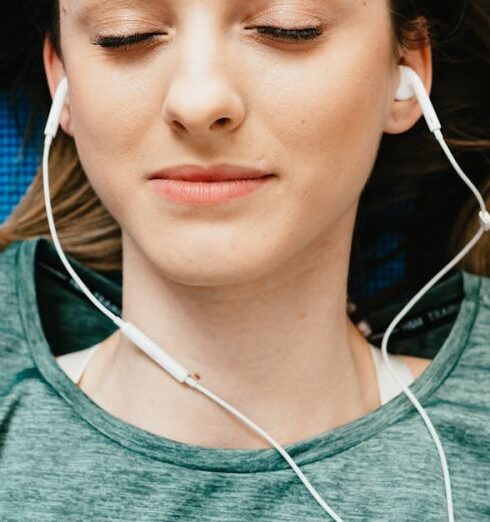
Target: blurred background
(18, 160)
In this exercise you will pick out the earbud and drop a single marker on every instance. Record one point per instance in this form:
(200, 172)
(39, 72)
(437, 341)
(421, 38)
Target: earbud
(56, 109)
(405, 89)
(412, 85)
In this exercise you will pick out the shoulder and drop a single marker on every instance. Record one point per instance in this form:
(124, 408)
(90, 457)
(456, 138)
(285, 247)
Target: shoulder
(10, 272)
(8, 261)
(15, 259)
(477, 327)
(468, 384)
(473, 328)
(477, 288)
(14, 354)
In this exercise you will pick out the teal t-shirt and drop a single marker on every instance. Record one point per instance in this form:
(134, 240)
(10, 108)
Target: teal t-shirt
(63, 458)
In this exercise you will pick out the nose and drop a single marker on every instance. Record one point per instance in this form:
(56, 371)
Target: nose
(201, 100)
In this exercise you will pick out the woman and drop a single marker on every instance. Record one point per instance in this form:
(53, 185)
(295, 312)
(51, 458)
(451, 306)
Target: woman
(244, 282)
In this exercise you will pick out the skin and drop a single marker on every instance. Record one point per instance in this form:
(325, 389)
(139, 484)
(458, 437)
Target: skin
(251, 294)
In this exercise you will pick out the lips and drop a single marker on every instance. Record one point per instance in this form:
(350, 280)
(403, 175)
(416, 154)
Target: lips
(192, 185)
(216, 173)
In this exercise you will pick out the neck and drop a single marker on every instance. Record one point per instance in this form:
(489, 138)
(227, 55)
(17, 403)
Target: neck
(280, 349)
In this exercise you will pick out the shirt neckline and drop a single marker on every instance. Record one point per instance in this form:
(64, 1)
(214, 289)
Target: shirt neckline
(226, 460)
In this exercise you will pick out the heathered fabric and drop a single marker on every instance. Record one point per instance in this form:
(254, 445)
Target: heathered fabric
(63, 458)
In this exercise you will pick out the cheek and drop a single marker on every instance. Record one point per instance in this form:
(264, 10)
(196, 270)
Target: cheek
(327, 131)
(110, 122)
(110, 130)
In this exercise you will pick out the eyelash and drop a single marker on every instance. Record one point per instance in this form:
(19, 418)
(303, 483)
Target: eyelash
(276, 33)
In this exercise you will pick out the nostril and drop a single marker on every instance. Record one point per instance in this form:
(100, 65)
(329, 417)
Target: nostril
(221, 122)
(178, 125)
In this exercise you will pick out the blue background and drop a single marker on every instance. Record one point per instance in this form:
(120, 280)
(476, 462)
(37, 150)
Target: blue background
(18, 162)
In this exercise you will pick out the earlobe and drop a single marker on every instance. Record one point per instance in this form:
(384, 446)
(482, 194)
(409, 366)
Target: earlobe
(55, 72)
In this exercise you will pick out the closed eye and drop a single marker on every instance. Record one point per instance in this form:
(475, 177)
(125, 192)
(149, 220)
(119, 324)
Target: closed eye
(115, 41)
(271, 32)
(281, 33)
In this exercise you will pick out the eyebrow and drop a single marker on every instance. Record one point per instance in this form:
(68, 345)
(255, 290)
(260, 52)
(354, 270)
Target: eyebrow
(84, 9)
(90, 6)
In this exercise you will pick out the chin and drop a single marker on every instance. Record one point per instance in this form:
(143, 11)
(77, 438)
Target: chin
(203, 263)
(224, 270)
(206, 275)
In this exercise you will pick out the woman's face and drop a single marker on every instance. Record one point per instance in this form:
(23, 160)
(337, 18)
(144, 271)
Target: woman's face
(212, 87)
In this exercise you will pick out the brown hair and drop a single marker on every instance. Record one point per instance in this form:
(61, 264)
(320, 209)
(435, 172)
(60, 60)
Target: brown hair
(410, 169)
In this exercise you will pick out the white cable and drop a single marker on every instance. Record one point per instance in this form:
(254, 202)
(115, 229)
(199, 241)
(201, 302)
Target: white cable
(484, 218)
(457, 168)
(268, 438)
(156, 353)
(182, 375)
(52, 228)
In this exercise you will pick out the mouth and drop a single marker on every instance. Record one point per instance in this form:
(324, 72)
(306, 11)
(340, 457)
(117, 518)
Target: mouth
(217, 173)
(192, 185)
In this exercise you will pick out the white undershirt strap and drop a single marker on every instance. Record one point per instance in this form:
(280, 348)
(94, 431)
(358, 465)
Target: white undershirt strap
(74, 364)
(388, 387)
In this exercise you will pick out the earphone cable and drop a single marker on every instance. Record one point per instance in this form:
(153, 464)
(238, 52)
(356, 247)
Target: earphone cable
(157, 357)
(484, 226)
(183, 376)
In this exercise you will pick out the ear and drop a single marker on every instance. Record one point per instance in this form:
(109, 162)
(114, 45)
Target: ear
(403, 115)
(55, 72)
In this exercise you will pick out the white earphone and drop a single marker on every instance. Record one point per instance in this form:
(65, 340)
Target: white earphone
(410, 85)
